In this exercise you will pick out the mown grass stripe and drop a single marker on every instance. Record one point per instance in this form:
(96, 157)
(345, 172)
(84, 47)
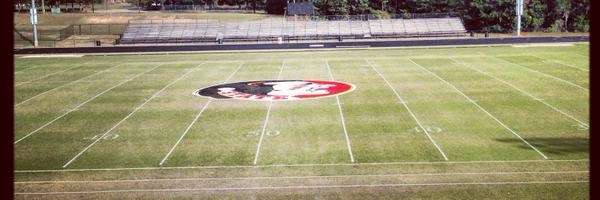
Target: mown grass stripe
(299, 165)
(264, 128)
(542, 73)
(85, 102)
(482, 109)
(303, 187)
(195, 119)
(301, 177)
(409, 110)
(66, 84)
(524, 92)
(47, 75)
(562, 63)
(337, 98)
(129, 115)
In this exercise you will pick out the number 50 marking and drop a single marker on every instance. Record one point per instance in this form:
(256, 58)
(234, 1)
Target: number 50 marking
(267, 133)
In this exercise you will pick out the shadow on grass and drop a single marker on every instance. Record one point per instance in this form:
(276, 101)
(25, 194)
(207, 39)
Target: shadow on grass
(553, 145)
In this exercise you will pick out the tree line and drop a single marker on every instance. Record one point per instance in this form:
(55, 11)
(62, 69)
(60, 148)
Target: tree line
(478, 15)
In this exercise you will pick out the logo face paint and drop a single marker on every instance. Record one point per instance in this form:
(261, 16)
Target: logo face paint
(276, 90)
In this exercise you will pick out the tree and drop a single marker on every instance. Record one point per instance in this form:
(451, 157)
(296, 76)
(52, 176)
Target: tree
(580, 16)
(534, 15)
(338, 7)
(275, 6)
(564, 9)
(358, 7)
(493, 16)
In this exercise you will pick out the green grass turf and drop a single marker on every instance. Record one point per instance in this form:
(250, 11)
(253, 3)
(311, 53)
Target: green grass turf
(539, 93)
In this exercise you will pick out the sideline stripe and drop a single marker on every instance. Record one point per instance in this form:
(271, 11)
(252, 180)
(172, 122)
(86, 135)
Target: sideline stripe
(337, 98)
(522, 91)
(300, 165)
(66, 84)
(195, 119)
(300, 177)
(264, 128)
(303, 187)
(129, 115)
(47, 75)
(542, 73)
(481, 108)
(78, 106)
(408, 109)
(559, 62)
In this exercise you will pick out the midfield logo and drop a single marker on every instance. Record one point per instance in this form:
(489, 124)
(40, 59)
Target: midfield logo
(276, 90)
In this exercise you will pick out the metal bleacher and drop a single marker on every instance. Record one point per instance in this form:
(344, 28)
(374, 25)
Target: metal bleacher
(186, 30)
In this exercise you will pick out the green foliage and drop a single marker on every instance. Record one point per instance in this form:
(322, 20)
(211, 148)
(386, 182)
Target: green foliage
(534, 14)
(493, 16)
(358, 7)
(581, 24)
(332, 7)
(380, 14)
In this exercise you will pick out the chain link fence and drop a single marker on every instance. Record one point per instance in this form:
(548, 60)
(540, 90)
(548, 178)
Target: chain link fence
(71, 36)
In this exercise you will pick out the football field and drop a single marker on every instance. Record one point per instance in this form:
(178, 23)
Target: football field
(454, 122)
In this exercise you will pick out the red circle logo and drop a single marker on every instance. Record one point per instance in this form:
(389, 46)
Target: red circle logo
(276, 90)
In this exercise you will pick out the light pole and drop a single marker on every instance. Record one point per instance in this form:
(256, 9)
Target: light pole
(519, 11)
(33, 19)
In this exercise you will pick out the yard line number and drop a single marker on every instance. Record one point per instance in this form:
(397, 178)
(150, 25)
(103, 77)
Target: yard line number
(106, 137)
(256, 133)
(430, 129)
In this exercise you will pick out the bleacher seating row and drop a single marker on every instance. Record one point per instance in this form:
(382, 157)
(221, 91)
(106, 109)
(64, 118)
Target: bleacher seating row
(209, 31)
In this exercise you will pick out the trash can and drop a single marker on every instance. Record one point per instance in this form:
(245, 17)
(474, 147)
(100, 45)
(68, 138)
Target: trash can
(339, 38)
(487, 34)
(97, 43)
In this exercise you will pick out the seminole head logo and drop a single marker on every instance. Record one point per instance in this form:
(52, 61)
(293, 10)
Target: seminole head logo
(275, 89)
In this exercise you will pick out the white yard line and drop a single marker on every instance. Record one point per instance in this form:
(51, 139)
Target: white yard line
(562, 63)
(409, 110)
(337, 98)
(66, 84)
(195, 119)
(524, 92)
(78, 106)
(542, 73)
(50, 74)
(304, 165)
(481, 108)
(301, 187)
(129, 115)
(302, 177)
(264, 128)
